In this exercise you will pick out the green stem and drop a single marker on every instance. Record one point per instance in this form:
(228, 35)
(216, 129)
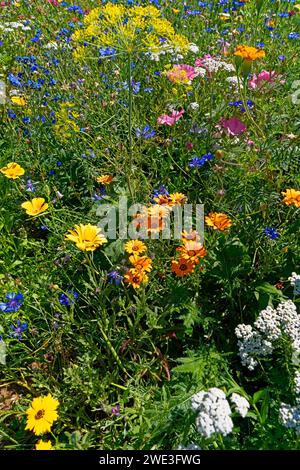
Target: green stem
(130, 153)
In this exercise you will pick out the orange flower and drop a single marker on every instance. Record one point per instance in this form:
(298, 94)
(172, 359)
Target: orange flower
(182, 267)
(135, 246)
(218, 221)
(104, 179)
(141, 263)
(153, 219)
(249, 53)
(177, 198)
(135, 278)
(292, 197)
(192, 251)
(190, 235)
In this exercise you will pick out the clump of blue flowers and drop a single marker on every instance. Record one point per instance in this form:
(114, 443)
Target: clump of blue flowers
(13, 304)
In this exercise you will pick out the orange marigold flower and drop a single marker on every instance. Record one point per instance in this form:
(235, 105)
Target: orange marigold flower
(135, 246)
(182, 267)
(104, 179)
(153, 219)
(249, 53)
(192, 250)
(218, 221)
(141, 263)
(291, 197)
(135, 278)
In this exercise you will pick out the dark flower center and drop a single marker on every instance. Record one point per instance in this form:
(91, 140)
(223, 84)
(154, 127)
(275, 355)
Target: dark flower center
(40, 414)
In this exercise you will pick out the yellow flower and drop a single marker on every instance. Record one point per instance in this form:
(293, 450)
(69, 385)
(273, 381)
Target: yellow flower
(42, 414)
(135, 246)
(292, 197)
(87, 237)
(36, 206)
(249, 53)
(104, 179)
(12, 170)
(18, 100)
(43, 445)
(218, 221)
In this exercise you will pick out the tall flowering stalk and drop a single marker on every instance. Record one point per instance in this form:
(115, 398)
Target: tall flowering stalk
(130, 31)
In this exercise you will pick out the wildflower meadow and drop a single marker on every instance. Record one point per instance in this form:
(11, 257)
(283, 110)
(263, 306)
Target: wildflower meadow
(149, 225)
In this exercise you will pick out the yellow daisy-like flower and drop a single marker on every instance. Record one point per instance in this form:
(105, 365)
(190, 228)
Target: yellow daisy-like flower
(18, 100)
(36, 206)
(249, 53)
(12, 170)
(43, 445)
(87, 237)
(135, 247)
(291, 197)
(218, 221)
(104, 179)
(42, 414)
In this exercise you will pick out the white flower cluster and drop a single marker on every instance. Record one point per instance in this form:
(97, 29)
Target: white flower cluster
(241, 404)
(189, 447)
(295, 282)
(270, 325)
(8, 27)
(290, 416)
(213, 65)
(214, 413)
(297, 383)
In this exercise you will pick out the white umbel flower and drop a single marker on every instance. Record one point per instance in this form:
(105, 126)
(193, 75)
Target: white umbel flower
(241, 404)
(214, 413)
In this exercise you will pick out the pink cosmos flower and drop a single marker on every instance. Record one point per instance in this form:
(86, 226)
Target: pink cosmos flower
(264, 76)
(233, 126)
(182, 74)
(170, 120)
(54, 2)
(201, 61)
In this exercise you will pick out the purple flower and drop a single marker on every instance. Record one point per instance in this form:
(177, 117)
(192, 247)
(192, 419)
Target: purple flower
(19, 329)
(115, 278)
(30, 186)
(14, 303)
(145, 133)
(116, 410)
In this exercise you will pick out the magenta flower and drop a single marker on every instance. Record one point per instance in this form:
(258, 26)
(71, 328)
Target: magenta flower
(258, 80)
(170, 120)
(183, 74)
(233, 126)
(201, 61)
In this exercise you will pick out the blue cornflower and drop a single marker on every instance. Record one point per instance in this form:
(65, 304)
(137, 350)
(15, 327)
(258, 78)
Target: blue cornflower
(115, 278)
(281, 57)
(69, 299)
(99, 194)
(271, 233)
(11, 114)
(19, 329)
(145, 133)
(161, 191)
(293, 36)
(14, 303)
(197, 162)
